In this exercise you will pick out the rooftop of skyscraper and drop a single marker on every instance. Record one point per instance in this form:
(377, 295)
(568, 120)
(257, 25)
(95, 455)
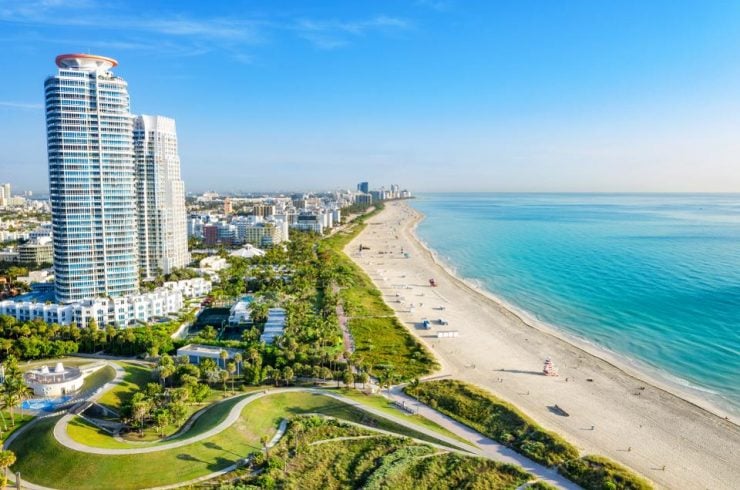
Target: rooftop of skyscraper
(85, 62)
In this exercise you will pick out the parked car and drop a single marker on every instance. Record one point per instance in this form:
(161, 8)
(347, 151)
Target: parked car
(442, 321)
(426, 324)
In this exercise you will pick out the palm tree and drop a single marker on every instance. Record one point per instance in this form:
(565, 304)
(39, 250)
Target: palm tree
(165, 372)
(287, 374)
(238, 360)
(348, 378)
(231, 368)
(7, 459)
(14, 388)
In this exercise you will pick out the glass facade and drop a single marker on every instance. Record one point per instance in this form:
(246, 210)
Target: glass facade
(91, 180)
(160, 191)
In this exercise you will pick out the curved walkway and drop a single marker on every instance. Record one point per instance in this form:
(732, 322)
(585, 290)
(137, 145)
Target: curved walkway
(61, 435)
(485, 447)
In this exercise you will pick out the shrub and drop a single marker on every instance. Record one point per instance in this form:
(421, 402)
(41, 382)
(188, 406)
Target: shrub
(540, 485)
(494, 418)
(597, 473)
(503, 422)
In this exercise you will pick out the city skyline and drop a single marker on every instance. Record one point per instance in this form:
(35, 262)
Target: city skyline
(440, 95)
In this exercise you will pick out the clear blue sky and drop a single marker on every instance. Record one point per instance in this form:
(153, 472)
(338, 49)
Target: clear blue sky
(432, 94)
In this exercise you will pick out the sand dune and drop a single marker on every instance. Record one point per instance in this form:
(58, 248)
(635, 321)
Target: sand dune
(614, 411)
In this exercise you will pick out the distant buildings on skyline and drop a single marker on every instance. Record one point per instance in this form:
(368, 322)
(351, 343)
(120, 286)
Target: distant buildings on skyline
(4, 195)
(366, 196)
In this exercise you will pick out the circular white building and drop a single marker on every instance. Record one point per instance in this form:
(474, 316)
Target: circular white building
(85, 62)
(52, 383)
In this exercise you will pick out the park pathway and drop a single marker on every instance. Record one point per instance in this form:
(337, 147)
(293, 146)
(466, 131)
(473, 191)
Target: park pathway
(480, 445)
(61, 435)
(488, 447)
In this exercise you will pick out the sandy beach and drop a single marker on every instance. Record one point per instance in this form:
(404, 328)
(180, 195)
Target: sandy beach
(614, 410)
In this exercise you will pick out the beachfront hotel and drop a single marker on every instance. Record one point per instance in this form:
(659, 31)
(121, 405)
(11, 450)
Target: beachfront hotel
(91, 179)
(160, 191)
(117, 198)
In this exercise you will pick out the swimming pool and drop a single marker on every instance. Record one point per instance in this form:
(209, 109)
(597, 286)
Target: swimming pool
(46, 404)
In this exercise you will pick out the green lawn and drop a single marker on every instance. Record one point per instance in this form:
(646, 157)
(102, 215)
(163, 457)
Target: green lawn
(264, 414)
(67, 361)
(137, 376)
(86, 433)
(210, 418)
(42, 460)
(98, 378)
(382, 403)
(20, 421)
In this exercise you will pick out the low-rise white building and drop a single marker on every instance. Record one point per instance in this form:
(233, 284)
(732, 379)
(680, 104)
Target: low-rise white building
(275, 325)
(212, 264)
(42, 275)
(56, 382)
(247, 252)
(119, 311)
(241, 312)
(197, 352)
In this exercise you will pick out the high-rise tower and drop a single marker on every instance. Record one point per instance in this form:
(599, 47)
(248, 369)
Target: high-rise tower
(91, 179)
(160, 191)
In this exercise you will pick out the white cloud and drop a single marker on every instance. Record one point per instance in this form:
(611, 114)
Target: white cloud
(331, 34)
(21, 105)
(183, 35)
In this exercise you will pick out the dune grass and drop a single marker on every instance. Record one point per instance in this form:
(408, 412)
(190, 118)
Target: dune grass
(506, 424)
(495, 418)
(323, 454)
(599, 473)
(42, 460)
(382, 342)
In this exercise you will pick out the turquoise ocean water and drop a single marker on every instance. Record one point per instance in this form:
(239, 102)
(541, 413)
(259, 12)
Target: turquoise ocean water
(653, 277)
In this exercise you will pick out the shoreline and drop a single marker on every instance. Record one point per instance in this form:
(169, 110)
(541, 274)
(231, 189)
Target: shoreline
(630, 367)
(613, 412)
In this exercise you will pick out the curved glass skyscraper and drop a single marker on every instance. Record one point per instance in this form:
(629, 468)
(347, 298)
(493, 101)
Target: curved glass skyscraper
(163, 235)
(91, 179)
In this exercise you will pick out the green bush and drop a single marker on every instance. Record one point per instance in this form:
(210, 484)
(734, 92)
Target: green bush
(597, 473)
(504, 423)
(540, 485)
(326, 454)
(496, 419)
(382, 343)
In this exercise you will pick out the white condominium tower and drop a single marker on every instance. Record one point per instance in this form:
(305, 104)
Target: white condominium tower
(163, 244)
(91, 179)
